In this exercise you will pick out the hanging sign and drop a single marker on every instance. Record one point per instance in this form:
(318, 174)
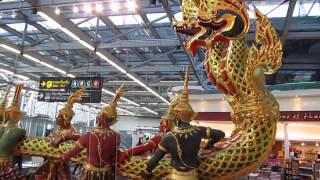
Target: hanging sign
(58, 89)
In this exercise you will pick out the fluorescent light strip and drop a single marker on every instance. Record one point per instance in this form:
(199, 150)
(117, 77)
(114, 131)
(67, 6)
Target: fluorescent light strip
(124, 110)
(111, 62)
(25, 78)
(122, 98)
(10, 48)
(71, 75)
(120, 109)
(74, 36)
(44, 64)
(4, 77)
(65, 30)
(153, 112)
(129, 101)
(108, 92)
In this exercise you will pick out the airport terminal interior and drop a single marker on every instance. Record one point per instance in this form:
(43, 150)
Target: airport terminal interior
(160, 89)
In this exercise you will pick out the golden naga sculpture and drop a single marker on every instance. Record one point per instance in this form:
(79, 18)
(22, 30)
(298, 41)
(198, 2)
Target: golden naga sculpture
(221, 27)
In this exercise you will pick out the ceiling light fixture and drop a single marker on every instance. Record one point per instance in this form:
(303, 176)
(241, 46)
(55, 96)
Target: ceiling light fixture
(4, 77)
(87, 8)
(10, 48)
(25, 78)
(131, 5)
(57, 11)
(115, 6)
(44, 63)
(111, 62)
(102, 56)
(120, 109)
(147, 109)
(99, 7)
(75, 9)
(13, 14)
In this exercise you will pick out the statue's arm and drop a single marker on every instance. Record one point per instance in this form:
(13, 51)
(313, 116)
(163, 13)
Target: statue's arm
(80, 145)
(154, 161)
(162, 149)
(214, 135)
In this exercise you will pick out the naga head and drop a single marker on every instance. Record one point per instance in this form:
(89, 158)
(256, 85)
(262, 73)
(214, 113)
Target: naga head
(215, 20)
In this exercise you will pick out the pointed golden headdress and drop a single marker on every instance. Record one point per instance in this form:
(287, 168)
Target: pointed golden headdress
(13, 111)
(109, 113)
(73, 98)
(183, 109)
(169, 118)
(3, 103)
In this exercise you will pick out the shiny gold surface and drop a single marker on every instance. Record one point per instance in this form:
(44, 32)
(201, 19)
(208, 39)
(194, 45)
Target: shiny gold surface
(236, 70)
(92, 168)
(67, 110)
(110, 112)
(183, 109)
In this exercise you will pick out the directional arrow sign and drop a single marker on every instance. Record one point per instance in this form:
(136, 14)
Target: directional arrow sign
(43, 83)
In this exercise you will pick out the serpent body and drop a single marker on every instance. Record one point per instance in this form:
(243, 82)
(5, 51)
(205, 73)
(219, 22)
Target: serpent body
(221, 29)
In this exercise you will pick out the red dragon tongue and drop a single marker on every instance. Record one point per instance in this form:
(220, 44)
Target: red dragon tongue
(193, 46)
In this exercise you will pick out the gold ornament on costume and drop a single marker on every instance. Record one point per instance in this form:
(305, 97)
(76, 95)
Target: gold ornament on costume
(67, 111)
(183, 109)
(236, 70)
(109, 113)
(13, 111)
(169, 118)
(3, 103)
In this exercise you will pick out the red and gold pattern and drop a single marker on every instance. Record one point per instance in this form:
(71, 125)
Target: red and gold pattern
(59, 170)
(221, 26)
(3, 105)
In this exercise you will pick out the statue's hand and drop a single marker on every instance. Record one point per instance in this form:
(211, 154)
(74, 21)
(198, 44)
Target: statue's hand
(55, 141)
(122, 155)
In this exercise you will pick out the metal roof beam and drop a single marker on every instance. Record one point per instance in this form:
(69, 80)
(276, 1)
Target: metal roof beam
(155, 34)
(169, 12)
(117, 44)
(86, 40)
(287, 22)
(116, 31)
(104, 69)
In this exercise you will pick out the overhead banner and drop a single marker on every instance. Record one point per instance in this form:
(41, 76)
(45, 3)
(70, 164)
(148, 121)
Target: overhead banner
(58, 89)
(300, 116)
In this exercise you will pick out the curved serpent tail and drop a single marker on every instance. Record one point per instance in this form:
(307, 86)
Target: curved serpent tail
(221, 28)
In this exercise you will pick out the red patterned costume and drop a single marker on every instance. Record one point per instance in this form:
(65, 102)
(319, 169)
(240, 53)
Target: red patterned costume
(53, 170)
(101, 144)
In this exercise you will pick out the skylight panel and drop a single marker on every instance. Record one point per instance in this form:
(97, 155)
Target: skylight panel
(154, 16)
(302, 9)
(126, 19)
(3, 31)
(47, 25)
(17, 26)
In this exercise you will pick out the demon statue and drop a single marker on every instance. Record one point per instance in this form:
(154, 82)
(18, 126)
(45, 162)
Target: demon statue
(52, 169)
(101, 145)
(10, 135)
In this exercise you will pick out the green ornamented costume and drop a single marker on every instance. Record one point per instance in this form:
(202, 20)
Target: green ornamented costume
(10, 135)
(183, 142)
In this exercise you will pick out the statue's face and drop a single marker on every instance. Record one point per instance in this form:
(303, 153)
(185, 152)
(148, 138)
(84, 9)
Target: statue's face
(14, 116)
(163, 126)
